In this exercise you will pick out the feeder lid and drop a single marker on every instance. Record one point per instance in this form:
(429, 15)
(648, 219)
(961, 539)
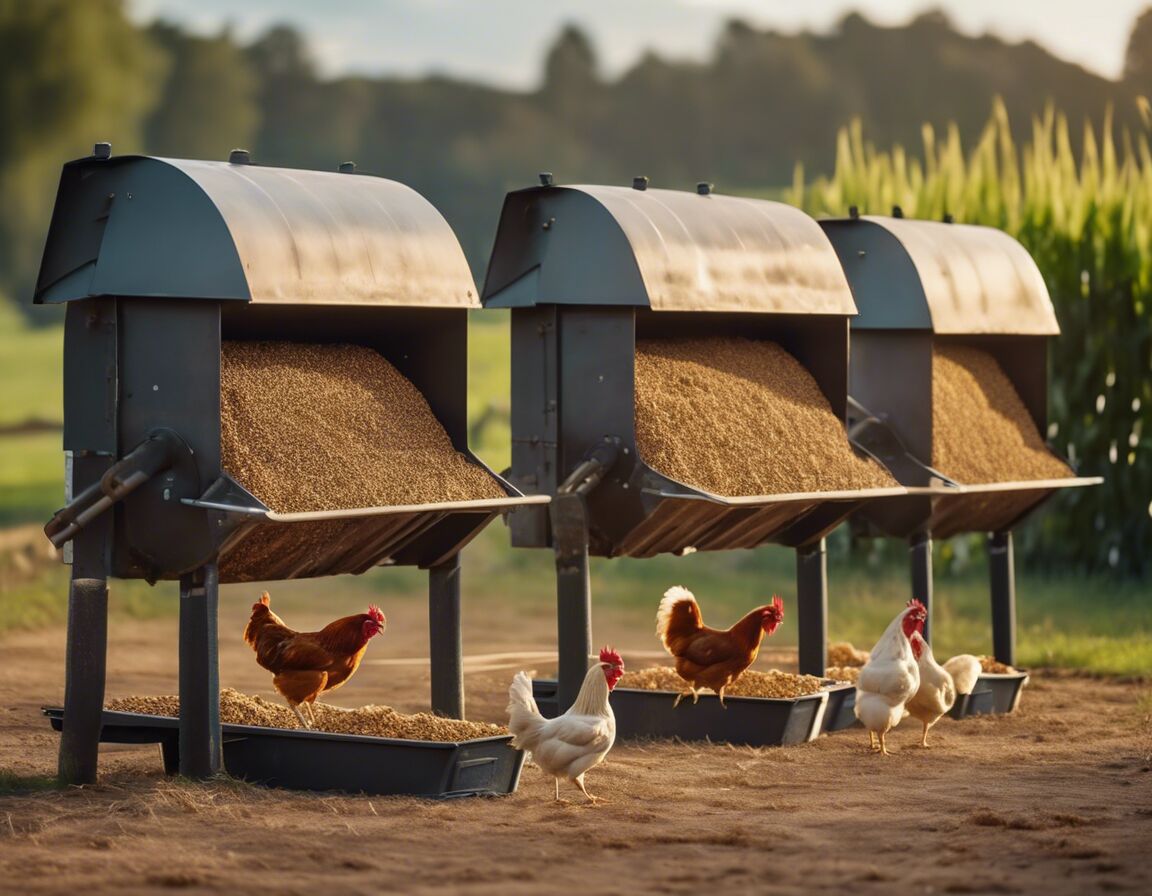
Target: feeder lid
(948, 278)
(664, 249)
(175, 228)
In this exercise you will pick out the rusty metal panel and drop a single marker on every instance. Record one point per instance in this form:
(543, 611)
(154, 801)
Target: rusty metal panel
(665, 249)
(975, 279)
(176, 228)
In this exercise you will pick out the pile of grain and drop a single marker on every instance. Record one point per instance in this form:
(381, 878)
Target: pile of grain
(843, 653)
(850, 674)
(373, 721)
(981, 431)
(738, 417)
(993, 665)
(331, 427)
(751, 684)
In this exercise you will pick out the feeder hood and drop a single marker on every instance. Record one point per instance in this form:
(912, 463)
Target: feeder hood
(950, 279)
(174, 228)
(666, 250)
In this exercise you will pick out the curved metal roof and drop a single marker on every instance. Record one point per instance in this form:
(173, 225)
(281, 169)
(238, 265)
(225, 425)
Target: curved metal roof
(664, 249)
(950, 278)
(140, 226)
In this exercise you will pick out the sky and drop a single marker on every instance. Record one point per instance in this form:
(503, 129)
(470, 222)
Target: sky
(502, 42)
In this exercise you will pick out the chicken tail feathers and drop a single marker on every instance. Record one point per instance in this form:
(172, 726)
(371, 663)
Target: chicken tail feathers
(524, 719)
(678, 614)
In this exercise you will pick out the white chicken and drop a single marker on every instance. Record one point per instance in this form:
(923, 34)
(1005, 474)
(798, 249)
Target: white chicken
(965, 670)
(890, 677)
(937, 692)
(568, 745)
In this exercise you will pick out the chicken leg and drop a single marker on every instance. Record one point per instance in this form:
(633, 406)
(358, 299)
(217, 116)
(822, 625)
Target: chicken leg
(311, 715)
(924, 737)
(872, 745)
(579, 779)
(883, 746)
(303, 721)
(691, 690)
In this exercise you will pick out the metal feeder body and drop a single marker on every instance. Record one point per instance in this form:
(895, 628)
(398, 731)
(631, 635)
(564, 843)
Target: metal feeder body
(921, 284)
(159, 261)
(589, 270)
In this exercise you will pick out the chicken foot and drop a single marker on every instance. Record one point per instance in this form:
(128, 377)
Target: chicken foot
(695, 696)
(924, 737)
(579, 780)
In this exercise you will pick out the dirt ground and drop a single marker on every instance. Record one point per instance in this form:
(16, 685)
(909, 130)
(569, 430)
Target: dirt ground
(1056, 798)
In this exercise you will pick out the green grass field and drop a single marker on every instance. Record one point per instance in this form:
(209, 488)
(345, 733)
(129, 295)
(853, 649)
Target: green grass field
(1071, 621)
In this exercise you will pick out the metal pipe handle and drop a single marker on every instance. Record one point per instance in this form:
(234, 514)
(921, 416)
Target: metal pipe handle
(154, 455)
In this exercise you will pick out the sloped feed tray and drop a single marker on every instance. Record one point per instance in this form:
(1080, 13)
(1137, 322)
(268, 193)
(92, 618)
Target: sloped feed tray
(681, 516)
(748, 721)
(259, 544)
(313, 760)
(995, 692)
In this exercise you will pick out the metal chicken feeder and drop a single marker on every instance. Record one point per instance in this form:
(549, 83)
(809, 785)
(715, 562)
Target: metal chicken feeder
(919, 284)
(588, 270)
(158, 261)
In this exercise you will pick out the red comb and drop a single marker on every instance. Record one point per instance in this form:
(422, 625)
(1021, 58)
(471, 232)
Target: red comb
(916, 603)
(374, 612)
(610, 656)
(778, 605)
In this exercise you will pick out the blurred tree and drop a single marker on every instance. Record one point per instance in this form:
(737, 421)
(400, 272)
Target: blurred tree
(1138, 59)
(70, 74)
(290, 98)
(571, 80)
(209, 102)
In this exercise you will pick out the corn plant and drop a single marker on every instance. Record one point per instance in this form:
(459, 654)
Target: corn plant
(1086, 217)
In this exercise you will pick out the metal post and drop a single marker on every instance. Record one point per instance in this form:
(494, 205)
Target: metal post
(87, 646)
(445, 639)
(573, 595)
(812, 607)
(200, 739)
(920, 554)
(84, 681)
(1002, 578)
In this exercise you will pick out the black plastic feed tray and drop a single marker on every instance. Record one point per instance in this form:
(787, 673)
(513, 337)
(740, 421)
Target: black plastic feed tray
(841, 711)
(749, 721)
(313, 760)
(994, 693)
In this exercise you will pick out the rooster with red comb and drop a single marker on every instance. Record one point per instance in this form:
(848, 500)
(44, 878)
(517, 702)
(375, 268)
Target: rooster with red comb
(571, 744)
(891, 676)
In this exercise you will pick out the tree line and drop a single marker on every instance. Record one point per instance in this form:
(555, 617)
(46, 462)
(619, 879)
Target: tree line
(74, 73)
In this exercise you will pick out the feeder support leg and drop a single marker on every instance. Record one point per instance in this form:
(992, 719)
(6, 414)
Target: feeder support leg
(200, 738)
(920, 555)
(812, 607)
(87, 648)
(445, 644)
(1002, 579)
(84, 680)
(573, 595)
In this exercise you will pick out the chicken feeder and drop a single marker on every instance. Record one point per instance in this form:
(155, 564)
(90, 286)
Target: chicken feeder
(159, 261)
(586, 272)
(920, 285)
